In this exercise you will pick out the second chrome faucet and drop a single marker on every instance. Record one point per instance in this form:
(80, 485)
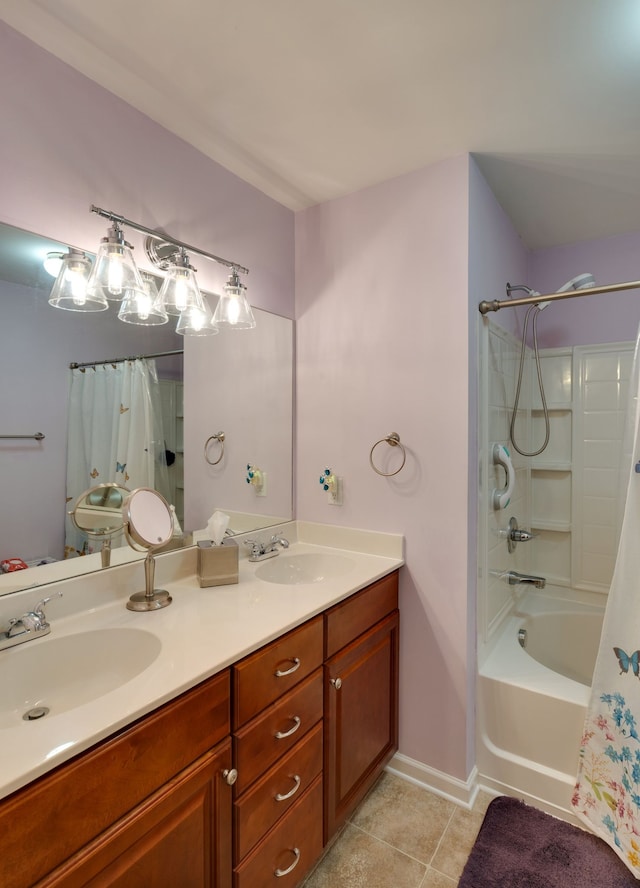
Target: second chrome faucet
(260, 550)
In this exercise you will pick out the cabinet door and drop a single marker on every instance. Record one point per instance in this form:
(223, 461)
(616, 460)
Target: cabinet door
(180, 836)
(361, 718)
(99, 787)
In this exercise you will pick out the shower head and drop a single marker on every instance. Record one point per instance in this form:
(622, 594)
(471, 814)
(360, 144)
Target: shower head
(513, 288)
(579, 282)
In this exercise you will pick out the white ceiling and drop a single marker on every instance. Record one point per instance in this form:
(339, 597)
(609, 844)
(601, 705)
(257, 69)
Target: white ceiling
(309, 101)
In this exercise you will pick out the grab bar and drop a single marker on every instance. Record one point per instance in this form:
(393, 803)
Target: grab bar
(37, 437)
(500, 499)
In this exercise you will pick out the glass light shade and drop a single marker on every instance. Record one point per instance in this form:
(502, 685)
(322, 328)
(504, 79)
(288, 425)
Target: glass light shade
(114, 272)
(53, 263)
(180, 292)
(70, 288)
(233, 312)
(143, 308)
(196, 321)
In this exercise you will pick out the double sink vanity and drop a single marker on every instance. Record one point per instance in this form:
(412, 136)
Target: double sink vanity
(220, 741)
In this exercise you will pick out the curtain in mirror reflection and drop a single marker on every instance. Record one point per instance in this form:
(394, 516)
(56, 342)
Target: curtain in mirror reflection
(115, 433)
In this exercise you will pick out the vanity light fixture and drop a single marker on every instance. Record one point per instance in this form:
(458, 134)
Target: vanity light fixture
(233, 312)
(143, 308)
(114, 273)
(196, 321)
(53, 263)
(70, 290)
(179, 292)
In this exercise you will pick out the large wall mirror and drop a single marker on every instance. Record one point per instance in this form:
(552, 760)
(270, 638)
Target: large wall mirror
(239, 383)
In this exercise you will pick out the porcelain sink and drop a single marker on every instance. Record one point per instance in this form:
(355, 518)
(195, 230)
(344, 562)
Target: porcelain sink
(63, 673)
(306, 567)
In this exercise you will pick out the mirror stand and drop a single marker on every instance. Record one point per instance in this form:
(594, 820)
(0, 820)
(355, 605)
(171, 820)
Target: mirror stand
(105, 552)
(148, 524)
(150, 599)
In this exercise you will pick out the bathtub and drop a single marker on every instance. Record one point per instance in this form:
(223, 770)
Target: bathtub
(532, 700)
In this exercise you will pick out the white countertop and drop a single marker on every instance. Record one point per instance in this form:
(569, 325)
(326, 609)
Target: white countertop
(203, 631)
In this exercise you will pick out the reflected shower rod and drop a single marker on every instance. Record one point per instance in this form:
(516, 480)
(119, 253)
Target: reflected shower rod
(485, 307)
(167, 238)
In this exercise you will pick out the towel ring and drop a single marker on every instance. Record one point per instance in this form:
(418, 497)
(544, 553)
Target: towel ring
(394, 441)
(219, 437)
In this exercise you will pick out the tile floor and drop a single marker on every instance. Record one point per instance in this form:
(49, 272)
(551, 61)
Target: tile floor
(401, 836)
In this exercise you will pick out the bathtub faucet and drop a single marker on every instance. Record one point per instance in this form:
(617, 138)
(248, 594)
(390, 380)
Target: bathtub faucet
(514, 578)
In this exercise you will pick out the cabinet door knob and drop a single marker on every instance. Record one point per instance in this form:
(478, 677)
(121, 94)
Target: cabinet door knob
(280, 673)
(336, 682)
(230, 775)
(285, 872)
(280, 735)
(283, 796)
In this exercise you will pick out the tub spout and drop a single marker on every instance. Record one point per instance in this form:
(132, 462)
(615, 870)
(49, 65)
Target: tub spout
(514, 578)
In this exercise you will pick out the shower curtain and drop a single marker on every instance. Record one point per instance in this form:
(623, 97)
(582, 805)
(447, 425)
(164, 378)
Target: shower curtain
(114, 434)
(607, 792)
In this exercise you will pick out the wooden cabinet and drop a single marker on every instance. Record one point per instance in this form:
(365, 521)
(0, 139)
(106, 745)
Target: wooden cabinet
(361, 697)
(278, 703)
(308, 721)
(147, 776)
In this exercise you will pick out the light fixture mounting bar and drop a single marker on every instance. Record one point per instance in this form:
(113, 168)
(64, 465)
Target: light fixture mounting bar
(167, 238)
(485, 307)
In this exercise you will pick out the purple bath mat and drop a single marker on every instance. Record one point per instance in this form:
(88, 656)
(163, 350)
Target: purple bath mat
(521, 847)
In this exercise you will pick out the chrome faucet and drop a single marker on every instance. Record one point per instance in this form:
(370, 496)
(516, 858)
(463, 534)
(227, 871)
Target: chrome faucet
(31, 625)
(260, 551)
(514, 578)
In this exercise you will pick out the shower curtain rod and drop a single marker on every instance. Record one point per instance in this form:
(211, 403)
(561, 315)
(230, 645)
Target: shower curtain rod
(485, 307)
(75, 366)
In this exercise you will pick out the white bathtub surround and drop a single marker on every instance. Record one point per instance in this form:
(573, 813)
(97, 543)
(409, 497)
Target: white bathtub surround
(202, 632)
(569, 496)
(530, 715)
(607, 795)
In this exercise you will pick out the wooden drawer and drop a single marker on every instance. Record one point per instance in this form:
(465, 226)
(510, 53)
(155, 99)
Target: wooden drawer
(256, 811)
(261, 743)
(349, 619)
(262, 677)
(88, 794)
(293, 845)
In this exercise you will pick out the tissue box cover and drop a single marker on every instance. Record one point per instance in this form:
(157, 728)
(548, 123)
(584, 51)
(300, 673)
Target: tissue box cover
(217, 565)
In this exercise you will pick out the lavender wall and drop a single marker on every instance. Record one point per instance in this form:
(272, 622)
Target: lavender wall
(496, 254)
(67, 143)
(382, 343)
(612, 318)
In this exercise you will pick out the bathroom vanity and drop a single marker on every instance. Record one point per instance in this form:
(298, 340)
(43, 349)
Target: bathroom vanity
(245, 776)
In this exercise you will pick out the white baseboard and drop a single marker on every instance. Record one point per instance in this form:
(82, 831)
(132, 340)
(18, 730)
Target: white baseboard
(459, 791)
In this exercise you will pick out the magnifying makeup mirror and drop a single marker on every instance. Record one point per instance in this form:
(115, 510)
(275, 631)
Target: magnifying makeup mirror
(98, 514)
(148, 525)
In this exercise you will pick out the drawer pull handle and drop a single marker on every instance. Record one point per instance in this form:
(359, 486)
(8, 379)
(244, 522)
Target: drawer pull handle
(285, 872)
(283, 796)
(280, 735)
(336, 682)
(280, 673)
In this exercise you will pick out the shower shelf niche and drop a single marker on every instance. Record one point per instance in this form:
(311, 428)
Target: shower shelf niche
(557, 466)
(555, 526)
